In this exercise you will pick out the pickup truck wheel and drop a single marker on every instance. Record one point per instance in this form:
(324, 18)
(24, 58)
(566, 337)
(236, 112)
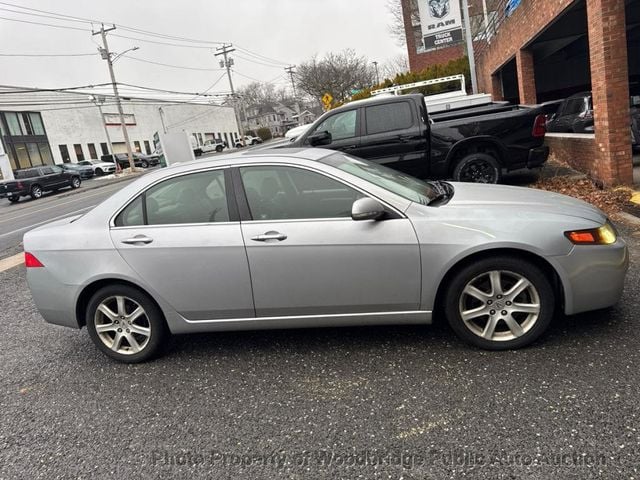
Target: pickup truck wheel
(219, 148)
(14, 199)
(499, 303)
(477, 168)
(36, 192)
(75, 182)
(144, 164)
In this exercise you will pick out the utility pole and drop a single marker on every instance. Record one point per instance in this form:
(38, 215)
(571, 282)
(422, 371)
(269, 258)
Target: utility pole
(291, 71)
(377, 75)
(227, 63)
(470, 53)
(98, 101)
(106, 55)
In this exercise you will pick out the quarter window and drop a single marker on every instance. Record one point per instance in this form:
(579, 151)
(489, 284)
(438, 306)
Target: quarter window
(286, 193)
(388, 117)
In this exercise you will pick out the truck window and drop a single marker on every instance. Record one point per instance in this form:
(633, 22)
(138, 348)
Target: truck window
(342, 125)
(388, 117)
(574, 106)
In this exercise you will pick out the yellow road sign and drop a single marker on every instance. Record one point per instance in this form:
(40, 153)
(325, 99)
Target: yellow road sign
(327, 99)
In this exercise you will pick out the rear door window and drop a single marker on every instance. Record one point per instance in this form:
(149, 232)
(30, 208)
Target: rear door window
(388, 117)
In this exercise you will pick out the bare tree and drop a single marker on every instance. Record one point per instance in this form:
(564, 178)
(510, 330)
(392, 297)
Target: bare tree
(396, 27)
(395, 65)
(336, 73)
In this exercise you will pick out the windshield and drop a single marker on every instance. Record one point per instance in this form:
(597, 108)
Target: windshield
(399, 183)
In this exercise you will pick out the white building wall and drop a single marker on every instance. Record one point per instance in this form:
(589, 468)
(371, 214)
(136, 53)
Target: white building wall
(83, 125)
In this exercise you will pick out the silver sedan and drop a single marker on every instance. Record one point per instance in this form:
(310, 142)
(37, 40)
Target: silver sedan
(309, 238)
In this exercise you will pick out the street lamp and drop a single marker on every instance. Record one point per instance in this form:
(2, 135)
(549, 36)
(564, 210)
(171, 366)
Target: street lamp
(121, 54)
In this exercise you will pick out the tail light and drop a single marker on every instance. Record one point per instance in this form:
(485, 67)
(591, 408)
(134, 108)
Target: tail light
(31, 261)
(19, 184)
(539, 127)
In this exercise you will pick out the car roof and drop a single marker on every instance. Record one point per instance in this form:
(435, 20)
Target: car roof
(286, 155)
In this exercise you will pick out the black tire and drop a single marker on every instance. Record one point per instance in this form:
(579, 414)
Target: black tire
(531, 325)
(75, 182)
(219, 148)
(152, 319)
(99, 172)
(144, 164)
(36, 191)
(14, 199)
(477, 168)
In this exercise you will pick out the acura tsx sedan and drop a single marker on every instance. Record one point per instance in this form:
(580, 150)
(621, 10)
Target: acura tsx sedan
(310, 238)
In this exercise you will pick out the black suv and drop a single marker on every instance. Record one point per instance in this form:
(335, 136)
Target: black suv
(35, 181)
(139, 160)
(575, 115)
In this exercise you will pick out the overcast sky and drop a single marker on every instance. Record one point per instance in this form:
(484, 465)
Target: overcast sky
(288, 31)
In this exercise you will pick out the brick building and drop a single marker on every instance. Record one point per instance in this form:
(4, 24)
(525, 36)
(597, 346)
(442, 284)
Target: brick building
(540, 50)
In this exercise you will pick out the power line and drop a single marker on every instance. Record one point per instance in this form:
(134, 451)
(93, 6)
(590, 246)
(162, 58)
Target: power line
(46, 24)
(257, 55)
(258, 62)
(48, 54)
(171, 66)
(35, 89)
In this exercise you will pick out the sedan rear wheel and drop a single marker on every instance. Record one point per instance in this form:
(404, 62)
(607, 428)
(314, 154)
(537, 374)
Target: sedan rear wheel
(125, 324)
(75, 182)
(500, 303)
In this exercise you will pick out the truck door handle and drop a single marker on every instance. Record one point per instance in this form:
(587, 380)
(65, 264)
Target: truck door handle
(137, 239)
(269, 236)
(349, 147)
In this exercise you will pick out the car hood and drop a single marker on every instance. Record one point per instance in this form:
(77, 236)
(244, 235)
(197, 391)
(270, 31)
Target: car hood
(526, 199)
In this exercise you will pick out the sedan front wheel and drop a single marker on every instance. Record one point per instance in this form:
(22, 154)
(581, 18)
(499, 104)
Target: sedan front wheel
(125, 324)
(500, 303)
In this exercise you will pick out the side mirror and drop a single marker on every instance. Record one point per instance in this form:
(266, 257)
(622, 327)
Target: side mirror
(367, 209)
(319, 138)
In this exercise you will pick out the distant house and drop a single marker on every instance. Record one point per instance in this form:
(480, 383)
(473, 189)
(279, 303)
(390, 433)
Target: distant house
(279, 117)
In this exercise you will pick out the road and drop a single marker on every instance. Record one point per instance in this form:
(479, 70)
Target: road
(17, 219)
(380, 402)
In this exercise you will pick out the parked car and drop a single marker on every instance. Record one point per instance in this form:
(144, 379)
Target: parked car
(99, 168)
(85, 172)
(215, 145)
(36, 181)
(248, 140)
(468, 145)
(309, 238)
(297, 131)
(139, 160)
(575, 115)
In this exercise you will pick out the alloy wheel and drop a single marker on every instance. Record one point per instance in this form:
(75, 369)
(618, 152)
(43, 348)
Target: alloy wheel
(499, 305)
(122, 325)
(478, 171)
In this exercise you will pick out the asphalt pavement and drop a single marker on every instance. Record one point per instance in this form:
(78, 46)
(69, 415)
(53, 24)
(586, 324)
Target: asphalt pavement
(405, 402)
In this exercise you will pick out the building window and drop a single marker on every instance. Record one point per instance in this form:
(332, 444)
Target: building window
(79, 155)
(34, 154)
(226, 139)
(104, 148)
(36, 124)
(92, 151)
(13, 123)
(136, 145)
(45, 153)
(64, 153)
(22, 155)
(147, 147)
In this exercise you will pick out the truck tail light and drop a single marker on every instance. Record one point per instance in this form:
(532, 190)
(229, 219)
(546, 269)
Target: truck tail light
(31, 261)
(19, 184)
(539, 127)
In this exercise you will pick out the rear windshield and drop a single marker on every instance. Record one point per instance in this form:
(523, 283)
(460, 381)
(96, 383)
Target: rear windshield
(26, 173)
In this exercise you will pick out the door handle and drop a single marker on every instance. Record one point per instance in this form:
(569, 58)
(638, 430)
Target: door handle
(269, 236)
(137, 239)
(349, 147)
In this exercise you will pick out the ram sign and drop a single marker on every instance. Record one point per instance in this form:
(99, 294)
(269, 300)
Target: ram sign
(441, 23)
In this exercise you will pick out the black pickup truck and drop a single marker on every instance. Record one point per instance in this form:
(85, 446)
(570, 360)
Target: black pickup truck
(35, 181)
(474, 144)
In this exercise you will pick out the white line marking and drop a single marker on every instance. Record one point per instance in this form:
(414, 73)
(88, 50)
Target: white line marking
(70, 214)
(10, 262)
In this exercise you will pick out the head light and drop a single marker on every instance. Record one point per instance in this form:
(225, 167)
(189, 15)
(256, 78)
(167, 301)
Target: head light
(604, 235)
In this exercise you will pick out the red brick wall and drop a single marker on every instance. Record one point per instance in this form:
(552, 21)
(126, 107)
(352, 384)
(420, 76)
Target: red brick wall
(526, 22)
(578, 150)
